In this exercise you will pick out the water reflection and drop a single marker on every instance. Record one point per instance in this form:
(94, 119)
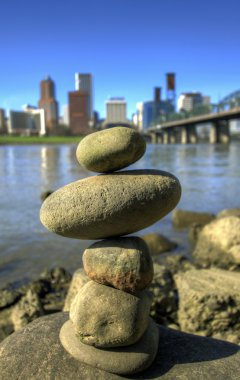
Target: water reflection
(50, 166)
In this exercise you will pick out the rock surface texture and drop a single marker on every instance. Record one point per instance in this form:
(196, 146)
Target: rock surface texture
(96, 318)
(110, 204)
(109, 332)
(124, 263)
(109, 325)
(179, 356)
(209, 303)
(111, 149)
(218, 243)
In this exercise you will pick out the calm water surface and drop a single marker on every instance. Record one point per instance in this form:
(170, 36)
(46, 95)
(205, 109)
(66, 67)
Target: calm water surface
(210, 178)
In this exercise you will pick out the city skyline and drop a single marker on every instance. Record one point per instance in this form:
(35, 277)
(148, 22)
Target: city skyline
(127, 47)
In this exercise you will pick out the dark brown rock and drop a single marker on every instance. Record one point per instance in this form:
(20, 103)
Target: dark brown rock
(193, 233)
(124, 263)
(165, 302)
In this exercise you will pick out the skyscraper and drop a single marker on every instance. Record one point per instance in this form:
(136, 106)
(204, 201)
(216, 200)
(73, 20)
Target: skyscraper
(78, 112)
(48, 103)
(3, 126)
(83, 82)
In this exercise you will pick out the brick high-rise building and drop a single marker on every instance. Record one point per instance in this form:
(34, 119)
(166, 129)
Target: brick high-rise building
(78, 112)
(48, 103)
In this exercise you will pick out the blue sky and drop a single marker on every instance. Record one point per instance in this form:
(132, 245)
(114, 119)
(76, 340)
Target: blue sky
(127, 45)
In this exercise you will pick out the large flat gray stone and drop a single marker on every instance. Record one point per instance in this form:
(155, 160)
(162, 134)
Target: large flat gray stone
(36, 353)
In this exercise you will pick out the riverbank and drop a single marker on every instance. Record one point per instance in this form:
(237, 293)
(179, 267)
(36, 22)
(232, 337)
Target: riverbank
(29, 140)
(197, 294)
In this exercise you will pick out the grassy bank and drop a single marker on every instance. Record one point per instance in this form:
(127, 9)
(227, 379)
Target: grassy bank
(23, 140)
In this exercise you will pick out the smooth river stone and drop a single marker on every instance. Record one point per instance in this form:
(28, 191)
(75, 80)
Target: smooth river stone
(110, 204)
(125, 360)
(111, 149)
(107, 317)
(124, 263)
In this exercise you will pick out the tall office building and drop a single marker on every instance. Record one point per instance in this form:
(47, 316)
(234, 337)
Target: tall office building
(84, 82)
(78, 112)
(48, 103)
(3, 126)
(155, 110)
(116, 111)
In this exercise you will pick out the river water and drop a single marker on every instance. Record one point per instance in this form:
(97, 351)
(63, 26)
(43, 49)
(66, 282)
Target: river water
(209, 175)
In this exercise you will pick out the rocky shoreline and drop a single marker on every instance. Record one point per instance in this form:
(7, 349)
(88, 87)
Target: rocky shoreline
(199, 296)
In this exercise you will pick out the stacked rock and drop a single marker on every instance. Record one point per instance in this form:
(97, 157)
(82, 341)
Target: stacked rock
(109, 325)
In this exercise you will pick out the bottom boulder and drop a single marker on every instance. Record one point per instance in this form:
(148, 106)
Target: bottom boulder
(179, 355)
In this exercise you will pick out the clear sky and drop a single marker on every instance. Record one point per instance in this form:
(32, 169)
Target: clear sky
(128, 46)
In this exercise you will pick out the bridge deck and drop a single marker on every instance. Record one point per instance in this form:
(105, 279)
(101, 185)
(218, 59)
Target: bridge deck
(225, 115)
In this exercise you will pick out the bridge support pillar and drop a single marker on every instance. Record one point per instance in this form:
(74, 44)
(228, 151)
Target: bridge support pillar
(220, 132)
(192, 134)
(213, 137)
(160, 138)
(188, 135)
(153, 138)
(172, 136)
(224, 131)
(184, 135)
(166, 137)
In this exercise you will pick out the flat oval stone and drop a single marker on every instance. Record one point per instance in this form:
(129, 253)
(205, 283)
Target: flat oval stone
(110, 204)
(107, 317)
(124, 263)
(111, 149)
(125, 360)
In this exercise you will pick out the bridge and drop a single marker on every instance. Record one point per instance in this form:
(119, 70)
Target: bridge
(184, 131)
